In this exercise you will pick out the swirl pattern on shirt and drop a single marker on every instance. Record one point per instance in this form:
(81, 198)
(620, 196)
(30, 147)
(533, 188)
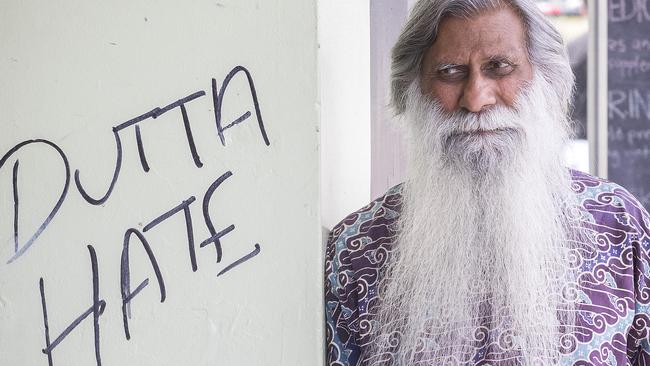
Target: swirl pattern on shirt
(613, 291)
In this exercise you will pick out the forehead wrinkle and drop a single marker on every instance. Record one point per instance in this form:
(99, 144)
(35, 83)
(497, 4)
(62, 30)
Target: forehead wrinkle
(479, 26)
(487, 42)
(480, 55)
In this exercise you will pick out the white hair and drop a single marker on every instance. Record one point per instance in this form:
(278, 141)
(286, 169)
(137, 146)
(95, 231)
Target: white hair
(546, 50)
(481, 259)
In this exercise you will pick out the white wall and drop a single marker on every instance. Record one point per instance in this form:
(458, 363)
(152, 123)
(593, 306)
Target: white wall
(344, 58)
(73, 70)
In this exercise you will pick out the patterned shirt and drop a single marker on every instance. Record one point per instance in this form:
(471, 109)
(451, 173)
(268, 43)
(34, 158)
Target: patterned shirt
(613, 321)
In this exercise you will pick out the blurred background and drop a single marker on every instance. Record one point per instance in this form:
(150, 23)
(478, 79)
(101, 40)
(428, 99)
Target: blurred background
(570, 17)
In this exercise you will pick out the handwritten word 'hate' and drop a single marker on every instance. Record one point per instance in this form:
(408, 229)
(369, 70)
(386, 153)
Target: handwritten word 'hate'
(98, 305)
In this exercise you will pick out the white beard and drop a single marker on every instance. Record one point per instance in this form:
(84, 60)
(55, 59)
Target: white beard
(481, 258)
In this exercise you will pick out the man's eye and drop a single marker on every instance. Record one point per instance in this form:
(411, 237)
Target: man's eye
(499, 68)
(451, 73)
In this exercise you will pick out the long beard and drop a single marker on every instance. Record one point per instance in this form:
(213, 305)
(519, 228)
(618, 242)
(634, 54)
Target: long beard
(480, 264)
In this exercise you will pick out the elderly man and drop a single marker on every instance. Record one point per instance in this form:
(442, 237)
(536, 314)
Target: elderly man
(491, 252)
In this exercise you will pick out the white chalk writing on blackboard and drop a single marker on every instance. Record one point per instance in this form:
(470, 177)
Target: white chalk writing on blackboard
(629, 67)
(629, 104)
(625, 10)
(620, 45)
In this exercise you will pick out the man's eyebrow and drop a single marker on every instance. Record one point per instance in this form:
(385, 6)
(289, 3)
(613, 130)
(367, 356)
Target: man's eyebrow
(445, 65)
(436, 66)
(503, 58)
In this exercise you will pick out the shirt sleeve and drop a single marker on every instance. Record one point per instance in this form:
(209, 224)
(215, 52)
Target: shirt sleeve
(640, 329)
(341, 348)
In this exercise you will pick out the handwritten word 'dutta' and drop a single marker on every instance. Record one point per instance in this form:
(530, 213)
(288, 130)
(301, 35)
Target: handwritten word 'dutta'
(218, 95)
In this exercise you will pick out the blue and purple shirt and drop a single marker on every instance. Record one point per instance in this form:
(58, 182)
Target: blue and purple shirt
(613, 319)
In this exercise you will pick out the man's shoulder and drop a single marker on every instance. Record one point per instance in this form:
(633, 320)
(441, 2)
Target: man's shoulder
(586, 181)
(609, 202)
(357, 250)
(364, 238)
(382, 211)
(591, 187)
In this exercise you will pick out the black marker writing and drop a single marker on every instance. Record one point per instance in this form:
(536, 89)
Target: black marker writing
(217, 98)
(190, 138)
(154, 113)
(157, 112)
(125, 278)
(185, 207)
(218, 94)
(116, 174)
(215, 236)
(20, 250)
(241, 260)
(143, 158)
(127, 293)
(96, 309)
(15, 191)
(46, 325)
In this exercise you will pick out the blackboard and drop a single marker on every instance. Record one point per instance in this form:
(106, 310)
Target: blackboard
(629, 96)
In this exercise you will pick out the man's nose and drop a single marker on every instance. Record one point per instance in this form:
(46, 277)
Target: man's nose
(479, 93)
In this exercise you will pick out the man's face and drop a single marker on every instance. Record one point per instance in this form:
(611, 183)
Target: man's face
(477, 63)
